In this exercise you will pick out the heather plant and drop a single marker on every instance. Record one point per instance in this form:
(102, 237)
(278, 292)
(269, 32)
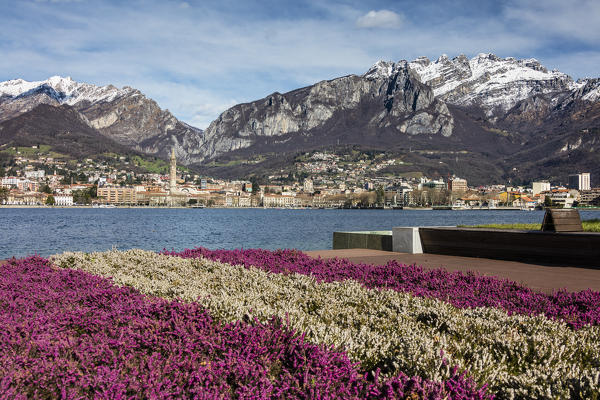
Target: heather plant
(459, 289)
(69, 334)
(519, 356)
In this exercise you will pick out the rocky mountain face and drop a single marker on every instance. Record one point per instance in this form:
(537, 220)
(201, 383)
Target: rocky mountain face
(61, 127)
(123, 115)
(513, 118)
(396, 101)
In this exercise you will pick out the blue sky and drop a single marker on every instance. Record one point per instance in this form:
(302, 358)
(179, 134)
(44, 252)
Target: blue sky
(197, 58)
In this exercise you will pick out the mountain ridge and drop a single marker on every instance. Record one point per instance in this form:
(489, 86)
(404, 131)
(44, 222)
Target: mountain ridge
(519, 100)
(489, 107)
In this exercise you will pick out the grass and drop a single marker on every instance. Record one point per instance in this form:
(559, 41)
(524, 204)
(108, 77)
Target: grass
(43, 150)
(590, 225)
(231, 163)
(154, 165)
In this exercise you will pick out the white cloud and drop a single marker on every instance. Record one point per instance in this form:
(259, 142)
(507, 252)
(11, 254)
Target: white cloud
(380, 19)
(558, 19)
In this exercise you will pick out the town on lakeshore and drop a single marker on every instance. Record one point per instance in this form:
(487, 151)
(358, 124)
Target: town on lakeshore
(323, 180)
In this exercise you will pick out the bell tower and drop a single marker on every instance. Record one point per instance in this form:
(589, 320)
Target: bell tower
(173, 172)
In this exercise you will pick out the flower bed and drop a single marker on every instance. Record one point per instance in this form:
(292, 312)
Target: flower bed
(461, 290)
(69, 334)
(519, 356)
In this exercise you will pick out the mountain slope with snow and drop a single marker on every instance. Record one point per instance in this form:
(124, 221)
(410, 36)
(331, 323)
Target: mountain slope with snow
(63, 90)
(124, 115)
(490, 82)
(507, 114)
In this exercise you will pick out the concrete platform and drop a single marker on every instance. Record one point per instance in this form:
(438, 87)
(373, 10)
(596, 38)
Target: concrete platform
(545, 278)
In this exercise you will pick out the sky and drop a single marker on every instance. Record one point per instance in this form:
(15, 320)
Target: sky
(198, 58)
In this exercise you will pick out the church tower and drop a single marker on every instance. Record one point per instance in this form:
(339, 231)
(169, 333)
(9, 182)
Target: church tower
(173, 172)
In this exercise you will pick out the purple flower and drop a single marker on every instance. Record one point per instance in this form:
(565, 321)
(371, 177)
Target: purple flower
(70, 334)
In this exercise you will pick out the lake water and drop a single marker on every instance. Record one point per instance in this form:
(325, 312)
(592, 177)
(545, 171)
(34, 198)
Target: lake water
(25, 231)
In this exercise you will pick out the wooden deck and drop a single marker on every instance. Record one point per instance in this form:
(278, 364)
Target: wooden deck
(538, 277)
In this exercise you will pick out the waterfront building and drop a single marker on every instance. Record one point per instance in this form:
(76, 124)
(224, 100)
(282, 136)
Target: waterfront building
(64, 200)
(525, 202)
(16, 197)
(435, 185)
(457, 185)
(580, 181)
(277, 200)
(590, 197)
(508, 196)
(117, 195)
(540, 186)
(562, 197)
(238, 200)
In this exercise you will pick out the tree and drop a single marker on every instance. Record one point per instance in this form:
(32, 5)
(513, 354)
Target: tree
(3, 194)
(547, 201)
(50, 201)
(46, 189)
(255, 185)
(380, 195)
(367, 199)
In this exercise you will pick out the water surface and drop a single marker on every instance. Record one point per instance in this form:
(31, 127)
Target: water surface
(42, 231)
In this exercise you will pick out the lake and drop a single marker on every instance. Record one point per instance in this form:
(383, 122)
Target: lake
(26, 231)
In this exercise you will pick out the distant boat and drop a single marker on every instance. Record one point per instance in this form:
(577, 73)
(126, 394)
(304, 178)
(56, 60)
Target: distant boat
(104, 206)
(198, 206)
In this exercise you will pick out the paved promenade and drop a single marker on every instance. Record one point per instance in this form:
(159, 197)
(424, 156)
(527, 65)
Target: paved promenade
(539, 277)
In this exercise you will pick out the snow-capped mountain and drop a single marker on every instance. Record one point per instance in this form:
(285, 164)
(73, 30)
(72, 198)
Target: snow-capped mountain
(124, 115)
(510, 116)
(493, 83)
(63, 90)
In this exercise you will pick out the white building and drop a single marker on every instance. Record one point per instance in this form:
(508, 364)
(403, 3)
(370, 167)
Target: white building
(38, 174)
(563, 197)
(308, 186)
(277, 200)
(64, 200)
(580, 181)
(539, 187)
(9, 181)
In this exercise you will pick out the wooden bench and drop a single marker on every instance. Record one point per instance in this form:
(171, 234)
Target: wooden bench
(562, 220)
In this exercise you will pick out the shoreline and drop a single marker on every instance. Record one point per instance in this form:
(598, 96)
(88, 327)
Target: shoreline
(278, 208)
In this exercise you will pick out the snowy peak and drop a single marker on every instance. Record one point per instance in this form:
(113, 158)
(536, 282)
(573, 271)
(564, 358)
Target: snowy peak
(64, 90)
(488, 80)
(384, 69)
(493, 83)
